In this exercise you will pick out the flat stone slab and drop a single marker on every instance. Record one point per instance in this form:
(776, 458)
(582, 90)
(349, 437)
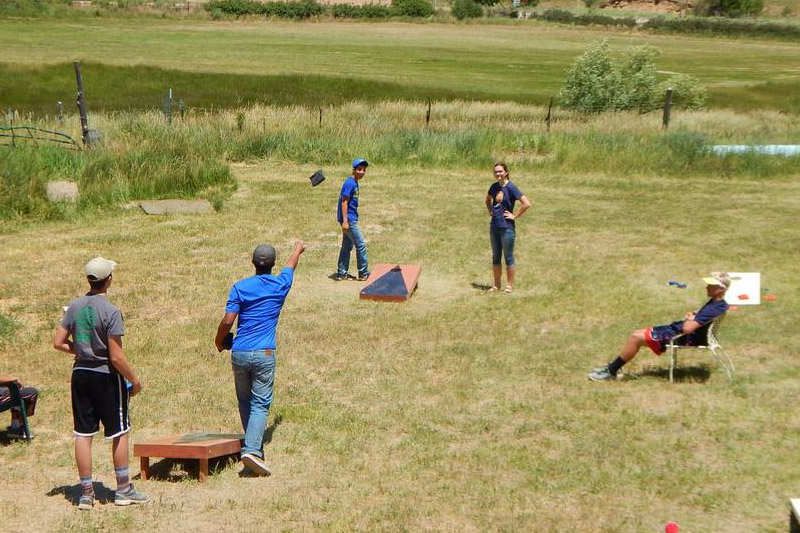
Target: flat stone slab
(172, 207)
(62, 191)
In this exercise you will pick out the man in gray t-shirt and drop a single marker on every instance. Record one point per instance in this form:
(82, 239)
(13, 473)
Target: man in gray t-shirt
(92, 319)
(92, 331)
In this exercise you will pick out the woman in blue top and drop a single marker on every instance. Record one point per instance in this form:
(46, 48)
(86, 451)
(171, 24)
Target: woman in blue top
(500, 200)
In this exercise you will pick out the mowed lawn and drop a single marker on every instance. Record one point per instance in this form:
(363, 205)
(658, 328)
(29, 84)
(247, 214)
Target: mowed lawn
(457, 410)
(522, 61)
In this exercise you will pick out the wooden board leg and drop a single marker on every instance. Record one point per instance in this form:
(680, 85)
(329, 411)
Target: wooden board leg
(144, 466)
(203, 470)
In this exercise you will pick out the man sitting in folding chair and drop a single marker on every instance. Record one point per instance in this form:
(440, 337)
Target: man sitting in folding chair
(692, 329)
(22, 403)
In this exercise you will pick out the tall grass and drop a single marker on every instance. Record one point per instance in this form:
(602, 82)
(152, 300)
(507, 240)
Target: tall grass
(143, 156)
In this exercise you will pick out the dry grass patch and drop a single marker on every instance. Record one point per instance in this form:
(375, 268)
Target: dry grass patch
(455, 410)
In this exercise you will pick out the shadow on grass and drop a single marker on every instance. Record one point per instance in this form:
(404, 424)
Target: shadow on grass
(480, 286)
(6, 439)
(72, 493)
(688, 374)
(177, 470)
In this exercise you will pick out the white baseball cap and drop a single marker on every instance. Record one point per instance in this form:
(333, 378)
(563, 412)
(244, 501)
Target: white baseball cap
(99, 268)
(719, 279)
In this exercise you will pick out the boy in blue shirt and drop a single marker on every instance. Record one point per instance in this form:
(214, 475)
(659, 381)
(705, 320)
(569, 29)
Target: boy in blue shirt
(694, 326)
(257, 302)
(347, 215)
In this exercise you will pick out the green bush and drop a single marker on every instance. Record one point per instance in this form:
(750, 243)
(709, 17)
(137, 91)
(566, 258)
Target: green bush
(291, 10)
(728, 8)
(594, 83)
(412, 8)
(711, 25)
(568, 17)
(687, 91)
(367, 11)
(463, 9)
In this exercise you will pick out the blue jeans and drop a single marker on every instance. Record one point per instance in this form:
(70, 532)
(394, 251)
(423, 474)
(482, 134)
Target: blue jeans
(502, 243)
(254, 377)
(350, 238)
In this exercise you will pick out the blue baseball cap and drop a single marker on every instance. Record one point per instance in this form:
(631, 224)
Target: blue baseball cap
(358, 161)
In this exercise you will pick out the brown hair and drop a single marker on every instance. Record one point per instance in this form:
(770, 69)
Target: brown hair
(505, 167)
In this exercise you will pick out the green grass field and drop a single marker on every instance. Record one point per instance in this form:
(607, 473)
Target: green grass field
(459, 409)
(326, 62)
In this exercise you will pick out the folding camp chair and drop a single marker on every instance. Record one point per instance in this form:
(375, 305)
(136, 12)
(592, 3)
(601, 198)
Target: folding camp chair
(17, 402)
(712, 344)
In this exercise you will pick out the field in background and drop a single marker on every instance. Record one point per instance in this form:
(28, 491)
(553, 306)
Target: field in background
(458, 409)
(327, 63)
(143, 156)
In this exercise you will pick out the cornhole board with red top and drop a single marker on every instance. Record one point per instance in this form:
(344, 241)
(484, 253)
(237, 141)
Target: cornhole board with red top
(391, 282)
(201, 446)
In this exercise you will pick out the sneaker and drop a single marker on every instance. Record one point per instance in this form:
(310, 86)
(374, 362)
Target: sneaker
(86, 502)
(343, 277)
(130, 497)
(363, 277)
(602, 374)
(255, 464)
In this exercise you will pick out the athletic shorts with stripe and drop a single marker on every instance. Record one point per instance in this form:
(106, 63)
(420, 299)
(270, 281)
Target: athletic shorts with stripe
(99, 397)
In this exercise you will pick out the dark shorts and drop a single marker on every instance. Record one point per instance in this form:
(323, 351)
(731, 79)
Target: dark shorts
(99, 398)
(29, 394)
(658, 337)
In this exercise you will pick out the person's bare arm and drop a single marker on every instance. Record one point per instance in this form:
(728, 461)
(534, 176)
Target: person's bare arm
(525, 204)
(61, 341)
(345, 220)
(121, 364)
(299, 248)
(223, 329)
(5, 380)
(488, 203)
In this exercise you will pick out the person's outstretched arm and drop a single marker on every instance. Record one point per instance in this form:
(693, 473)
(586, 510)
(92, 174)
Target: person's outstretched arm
(299, 248)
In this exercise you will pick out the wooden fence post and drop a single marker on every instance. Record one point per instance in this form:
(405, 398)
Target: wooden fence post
(549, 116)
(428, 114)
(667, 108)
(81, 101)
(320, 117)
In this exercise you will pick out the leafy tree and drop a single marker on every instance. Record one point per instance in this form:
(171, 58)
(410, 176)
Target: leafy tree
(594, 83)
(729, 8)
(413, 8)
(463, 9)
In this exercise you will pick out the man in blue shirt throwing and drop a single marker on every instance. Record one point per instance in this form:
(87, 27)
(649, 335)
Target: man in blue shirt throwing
(694, 327)
(347, 215)
(257, 302)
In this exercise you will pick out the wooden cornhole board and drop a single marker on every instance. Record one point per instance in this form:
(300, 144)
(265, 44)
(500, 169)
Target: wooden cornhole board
(200, 446)
(391, 282)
